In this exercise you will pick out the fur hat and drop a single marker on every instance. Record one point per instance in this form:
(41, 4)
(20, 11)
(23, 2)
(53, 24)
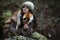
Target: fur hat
(29, 4)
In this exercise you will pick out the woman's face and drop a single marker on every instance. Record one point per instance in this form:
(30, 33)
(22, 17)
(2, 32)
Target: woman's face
(25, 9)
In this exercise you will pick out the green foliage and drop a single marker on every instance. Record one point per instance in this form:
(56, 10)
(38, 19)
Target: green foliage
(7, 14)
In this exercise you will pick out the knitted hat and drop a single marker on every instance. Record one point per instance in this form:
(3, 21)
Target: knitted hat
(29, 4)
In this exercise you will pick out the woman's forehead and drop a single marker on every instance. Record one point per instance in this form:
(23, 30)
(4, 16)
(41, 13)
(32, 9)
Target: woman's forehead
(25, 6)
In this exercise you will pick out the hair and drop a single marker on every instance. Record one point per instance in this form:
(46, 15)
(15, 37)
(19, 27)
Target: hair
(22, 13)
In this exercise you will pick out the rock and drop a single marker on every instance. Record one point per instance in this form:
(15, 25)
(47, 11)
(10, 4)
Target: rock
(38, 36)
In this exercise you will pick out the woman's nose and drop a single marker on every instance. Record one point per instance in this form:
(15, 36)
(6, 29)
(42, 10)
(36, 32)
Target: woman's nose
(24, 9)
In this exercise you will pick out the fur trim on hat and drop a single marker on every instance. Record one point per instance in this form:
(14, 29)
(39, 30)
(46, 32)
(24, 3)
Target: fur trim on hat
(29, 4)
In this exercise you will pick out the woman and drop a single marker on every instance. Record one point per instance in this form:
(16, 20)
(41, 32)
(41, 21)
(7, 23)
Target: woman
(26, 17)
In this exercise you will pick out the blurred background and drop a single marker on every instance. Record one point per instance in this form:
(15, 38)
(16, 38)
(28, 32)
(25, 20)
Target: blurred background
(47, 13)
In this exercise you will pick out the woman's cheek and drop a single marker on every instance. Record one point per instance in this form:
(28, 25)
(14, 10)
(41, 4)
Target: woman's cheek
(25, 10)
